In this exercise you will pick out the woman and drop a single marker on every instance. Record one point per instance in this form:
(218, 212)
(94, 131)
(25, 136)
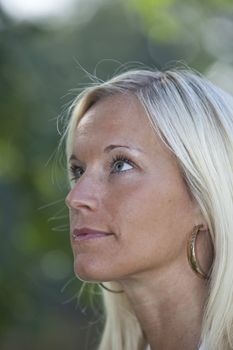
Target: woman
(150, 158)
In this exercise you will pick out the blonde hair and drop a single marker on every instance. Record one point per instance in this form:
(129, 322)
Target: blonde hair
(195, 120)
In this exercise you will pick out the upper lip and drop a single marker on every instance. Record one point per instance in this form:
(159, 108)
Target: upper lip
(86, 231)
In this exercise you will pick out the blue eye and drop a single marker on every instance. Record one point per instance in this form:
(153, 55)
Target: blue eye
(76, 172)
(120, 164)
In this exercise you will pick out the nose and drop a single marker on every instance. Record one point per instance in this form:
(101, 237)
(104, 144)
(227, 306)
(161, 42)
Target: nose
(83, 197)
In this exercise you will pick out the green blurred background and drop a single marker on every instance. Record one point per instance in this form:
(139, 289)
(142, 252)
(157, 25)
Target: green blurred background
(46, 47)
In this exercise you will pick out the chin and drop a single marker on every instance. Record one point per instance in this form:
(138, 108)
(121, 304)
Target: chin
(90, 271)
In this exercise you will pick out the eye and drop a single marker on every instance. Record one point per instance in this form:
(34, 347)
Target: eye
(120, 164)
(76, 172)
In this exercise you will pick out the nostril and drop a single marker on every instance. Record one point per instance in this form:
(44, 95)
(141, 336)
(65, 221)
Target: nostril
(78, 204)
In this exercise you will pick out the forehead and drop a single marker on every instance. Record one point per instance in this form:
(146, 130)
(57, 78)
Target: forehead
(116, 118)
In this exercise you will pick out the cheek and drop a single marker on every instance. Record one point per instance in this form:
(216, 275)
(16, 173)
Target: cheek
(153, 218)
(140, 204)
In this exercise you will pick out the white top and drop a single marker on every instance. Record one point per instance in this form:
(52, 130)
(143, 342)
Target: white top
(201, 347)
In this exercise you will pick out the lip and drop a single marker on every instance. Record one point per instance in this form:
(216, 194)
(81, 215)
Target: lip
(86, 233)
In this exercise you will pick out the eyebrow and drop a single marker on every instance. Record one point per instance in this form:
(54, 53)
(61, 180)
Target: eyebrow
(110, 148)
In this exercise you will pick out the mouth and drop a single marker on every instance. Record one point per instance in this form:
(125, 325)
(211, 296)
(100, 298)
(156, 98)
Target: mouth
(87, 233)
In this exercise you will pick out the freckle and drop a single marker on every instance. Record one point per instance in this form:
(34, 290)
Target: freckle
(170, 200)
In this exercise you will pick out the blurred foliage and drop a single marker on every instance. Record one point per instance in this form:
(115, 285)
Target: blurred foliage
(42, 67)
(167, 19)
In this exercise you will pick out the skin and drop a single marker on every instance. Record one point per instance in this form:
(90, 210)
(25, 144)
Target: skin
(147, 207)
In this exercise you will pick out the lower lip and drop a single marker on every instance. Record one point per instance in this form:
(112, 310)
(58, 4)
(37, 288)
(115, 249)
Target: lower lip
(89, 236)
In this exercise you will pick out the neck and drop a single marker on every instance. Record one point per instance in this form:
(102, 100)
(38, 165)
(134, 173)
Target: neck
(169, 308)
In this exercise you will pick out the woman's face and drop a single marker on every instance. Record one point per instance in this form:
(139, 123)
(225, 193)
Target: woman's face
(126, 183)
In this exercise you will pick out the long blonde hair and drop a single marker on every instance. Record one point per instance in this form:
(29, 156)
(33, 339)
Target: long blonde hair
(195, 120)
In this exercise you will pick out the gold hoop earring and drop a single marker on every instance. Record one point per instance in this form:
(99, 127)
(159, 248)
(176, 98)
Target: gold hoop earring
(191, 246)
(110, 290)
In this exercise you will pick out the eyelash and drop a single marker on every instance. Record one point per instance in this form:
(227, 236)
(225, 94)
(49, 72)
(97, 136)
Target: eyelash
(73, 169)
(115, 159)
(120, 157)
